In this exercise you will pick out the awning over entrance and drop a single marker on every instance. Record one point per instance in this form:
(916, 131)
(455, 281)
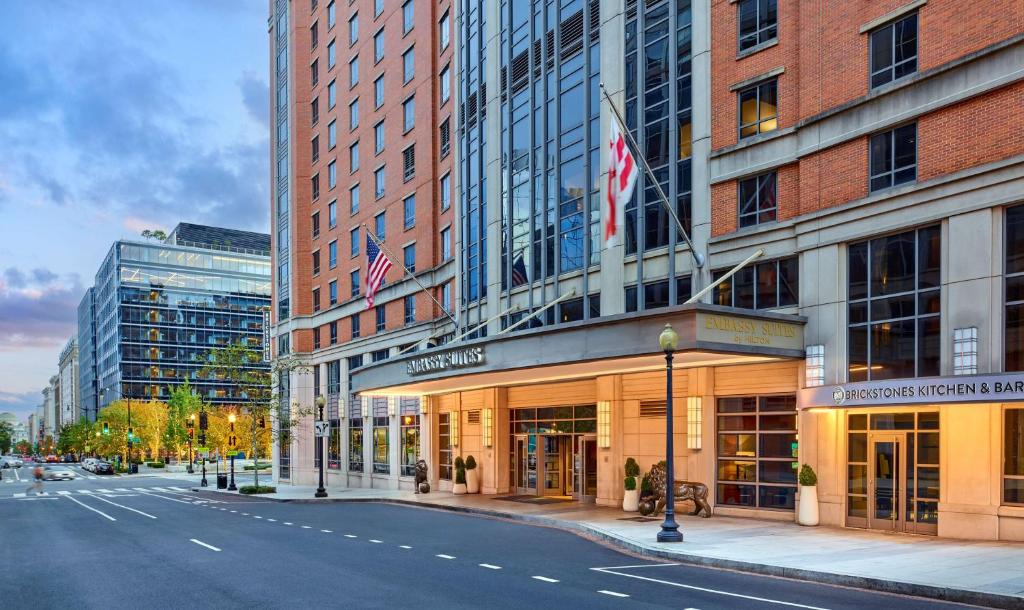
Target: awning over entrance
(709, 335)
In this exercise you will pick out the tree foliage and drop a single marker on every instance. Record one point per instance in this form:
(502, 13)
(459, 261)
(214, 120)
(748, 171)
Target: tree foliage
(157, 234)
(6, 436)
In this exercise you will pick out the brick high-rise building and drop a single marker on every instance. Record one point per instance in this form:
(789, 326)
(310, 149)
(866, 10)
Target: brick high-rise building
(362, 108)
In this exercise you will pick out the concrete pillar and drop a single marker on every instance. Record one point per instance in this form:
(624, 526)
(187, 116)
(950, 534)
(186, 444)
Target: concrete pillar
(700, 47)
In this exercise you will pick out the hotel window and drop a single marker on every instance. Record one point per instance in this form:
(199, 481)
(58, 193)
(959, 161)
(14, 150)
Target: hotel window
(353, 277)
(378, 7)
(894, 51)
(314, 186)
(314, 146)
(314, 72)
(655, 295)
(767, 285)
(444, 446)
(331, 56)
(353, 199)
(408, 114)
(1013, 457)
(1014, 289)
(355, 429)
(409, 306)
(446, 296)
(410, 433)
(894, 157)
(353, 157)
(316, 263)
(378, 46)
(378, 138)
(379, 355)
(409, 258)
(408, 20)
(378, 183)
(571, 310)
(353, 72)
(894, 306)
(332, 174)
(314, 111)
(353, 114)
(332, 134)
(381, 317)
(314, 36)
(409, 163)
(408, 65)
(759, 111)
(332, 214)
(332, 94)
(379, 226)
(331, 15)
(381, 463)
(378, 92)
(354, 321)
(757, 452)
(409, 212)
(332, 289)
(445, 85)
(758, 21)
(446, 244)
(316, 335)
(316, 299)
(444, 27)
(353, 29)
(334, 440)
(353, 237)
(757, 199)
(445, 136)
(446, 191)
(333, 327)
(332, 254)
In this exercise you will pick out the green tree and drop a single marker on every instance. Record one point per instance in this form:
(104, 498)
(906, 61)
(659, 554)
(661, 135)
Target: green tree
(154, 234)
(6, 437)
(74, 437)
(183, 402)
(23, 447)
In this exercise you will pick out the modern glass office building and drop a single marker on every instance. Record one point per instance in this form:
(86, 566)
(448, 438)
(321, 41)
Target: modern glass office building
(87, 355)
(158, 308)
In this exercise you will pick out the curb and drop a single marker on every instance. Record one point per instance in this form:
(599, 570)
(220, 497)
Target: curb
(964, 596)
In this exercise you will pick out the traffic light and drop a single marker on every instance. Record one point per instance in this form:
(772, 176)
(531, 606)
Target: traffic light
(202, 439)
(202, 420)
(262, 422)
(191, 430)
(106, 428)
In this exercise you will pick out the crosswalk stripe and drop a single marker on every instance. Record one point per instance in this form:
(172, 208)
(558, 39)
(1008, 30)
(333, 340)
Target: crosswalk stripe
(140, 489)
(178, 488)
(64, 492)
(123, 489)
(104, 491)
(21, 495)
(158, 489)
(85, 491)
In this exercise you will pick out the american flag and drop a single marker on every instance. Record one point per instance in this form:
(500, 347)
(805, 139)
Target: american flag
(519, 276)
(377, 266)
(621, 180)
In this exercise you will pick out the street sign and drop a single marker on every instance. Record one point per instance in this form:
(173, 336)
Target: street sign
(322, 429)
(266, 335)
(202, 449)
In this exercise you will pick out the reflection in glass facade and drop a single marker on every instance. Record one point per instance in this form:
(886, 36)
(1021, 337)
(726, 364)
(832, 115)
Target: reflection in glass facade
(159, 310)
(88, 392)
(282, 159)
(473, 134)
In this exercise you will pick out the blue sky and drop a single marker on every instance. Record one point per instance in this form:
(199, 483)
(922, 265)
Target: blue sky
(116, 116)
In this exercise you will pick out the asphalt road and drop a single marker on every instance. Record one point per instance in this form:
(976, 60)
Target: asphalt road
(149, 542)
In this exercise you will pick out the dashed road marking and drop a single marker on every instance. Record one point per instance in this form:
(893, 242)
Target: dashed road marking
(443, 556)
(272, 520)
(234, 511)
(544, 579)
(489, 566)
(612, 593)
(201, 543)
(326, 531)
(245, 514)
(404, 546)
(288, 523)
(257, 517)
(351, 536)
(306, 527)
(371, 539)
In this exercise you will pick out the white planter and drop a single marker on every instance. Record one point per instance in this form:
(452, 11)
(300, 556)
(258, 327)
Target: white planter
(807, 511)
(631, 501)
(473, 481)
(459, 489)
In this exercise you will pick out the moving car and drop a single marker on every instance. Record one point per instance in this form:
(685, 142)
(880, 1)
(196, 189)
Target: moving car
(10, 461)
(52, 459)
(58, 474)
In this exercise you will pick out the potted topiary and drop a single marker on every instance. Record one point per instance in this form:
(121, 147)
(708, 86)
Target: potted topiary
(807, 512)
(647, 503)
(472, 476)
(460, 477)
(631, 499)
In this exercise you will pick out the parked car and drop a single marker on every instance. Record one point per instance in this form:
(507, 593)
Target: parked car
(88, 462)
(101, 467)
(52, 459)
(11, 461)
(58, 474)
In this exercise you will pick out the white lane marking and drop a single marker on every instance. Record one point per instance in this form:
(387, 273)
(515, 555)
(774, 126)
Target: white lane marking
(706, 590)
(404, 546)
(20, 495)
(123, 489)
(612, 593)
(305, 527)
(64, 492)
(245, 514)
(72, 498)
(201, 543)
(443, 556)
(234, 511)
(178, 488)
(159, 489)
(326, 531)
(87, 492)
(125, 507)
(346, 535)
(223, 509)
(16, 475)
(141, 488)
(104, 491)
(371, 539)
(272, 520)
(641, 565)
(489, 566)
(257, 517)
(162, 497)
(544, 579)
(288, 523)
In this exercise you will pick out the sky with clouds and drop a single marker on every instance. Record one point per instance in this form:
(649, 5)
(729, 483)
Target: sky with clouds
(116, 116)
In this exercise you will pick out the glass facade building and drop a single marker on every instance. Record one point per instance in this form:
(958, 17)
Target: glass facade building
(88, 391)
(161, 307)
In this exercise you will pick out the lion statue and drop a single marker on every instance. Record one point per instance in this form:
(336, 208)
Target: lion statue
(422, 486)
(653, 501)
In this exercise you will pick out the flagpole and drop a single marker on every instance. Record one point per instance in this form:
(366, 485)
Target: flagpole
(732, 272)
(565, 296)
(698, 258)
(391, 254)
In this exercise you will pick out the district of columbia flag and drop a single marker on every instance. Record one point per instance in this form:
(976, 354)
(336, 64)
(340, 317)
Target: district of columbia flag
(377, 265)
(622, 173)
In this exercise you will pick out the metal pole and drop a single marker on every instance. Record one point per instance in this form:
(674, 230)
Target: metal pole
(541, 310)
(130, 470)
(698, 258)
(669, 528)
(232, 487)
(320, 491)
(380, 245)
(732, 272)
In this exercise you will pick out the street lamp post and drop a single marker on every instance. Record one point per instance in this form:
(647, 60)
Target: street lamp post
(320, 491)
(202, 441)
(669, 340)
(231, 420)
(191, 431)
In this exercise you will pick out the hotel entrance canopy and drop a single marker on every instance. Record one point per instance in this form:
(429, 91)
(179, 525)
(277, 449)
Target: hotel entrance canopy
(709, 335)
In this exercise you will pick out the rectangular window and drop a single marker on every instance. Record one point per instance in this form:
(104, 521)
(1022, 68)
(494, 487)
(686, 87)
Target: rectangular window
(378, 46)
(353, 199)
(353, 114)
(446, 244)
(332, 174)
(314, 111)
(316, 299)
(314, 146)
(332, 94)
(381, 463)
(445, 137)
(333, 330)
(353, 277)
(316, 224)
(758, 21)
(757, 200)
(314, 186)
(379, 313)
(446, 296)
(353, 157)
(355, 437)
(894, 301)
(353, 72)
(445, 85)
(331, 15)
(767, 285)
(378, 183)
(408, 114)
(759, 112)
(1014, 289)
(354, 320)
(894, 157)
(1013, 456)
(331, 55)
(408, 18)
(314, 36)
(409, 163)
(409, 212)
(408, 65)
(332, 134)
(316, 262)
(353, 29)
(378, 138)
(410, 308)
(314, 72)
(353, 237)
(409, 257)
(444, 27)
(332, 290)
(378, 224)
(757, 452)
(410, 435)
(894, 51)
(446, 191)
(378, 7)
(332, 254)
(332, 214)
(378, 92)
(316, 333)
(444, 446)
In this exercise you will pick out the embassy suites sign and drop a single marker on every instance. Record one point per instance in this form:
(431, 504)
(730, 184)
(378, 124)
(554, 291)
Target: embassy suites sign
(452, 359)
(927, 390)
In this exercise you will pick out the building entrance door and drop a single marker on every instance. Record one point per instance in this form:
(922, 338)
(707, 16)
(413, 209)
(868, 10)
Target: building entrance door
(556, 459)
(887, 481)
(526, 464)
(585, 469)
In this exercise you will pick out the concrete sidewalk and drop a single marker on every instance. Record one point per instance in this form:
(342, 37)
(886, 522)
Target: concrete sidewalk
(986, 573)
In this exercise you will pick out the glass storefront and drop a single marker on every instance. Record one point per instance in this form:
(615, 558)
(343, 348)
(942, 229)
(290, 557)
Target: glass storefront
(757, 451)
(553, 451)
